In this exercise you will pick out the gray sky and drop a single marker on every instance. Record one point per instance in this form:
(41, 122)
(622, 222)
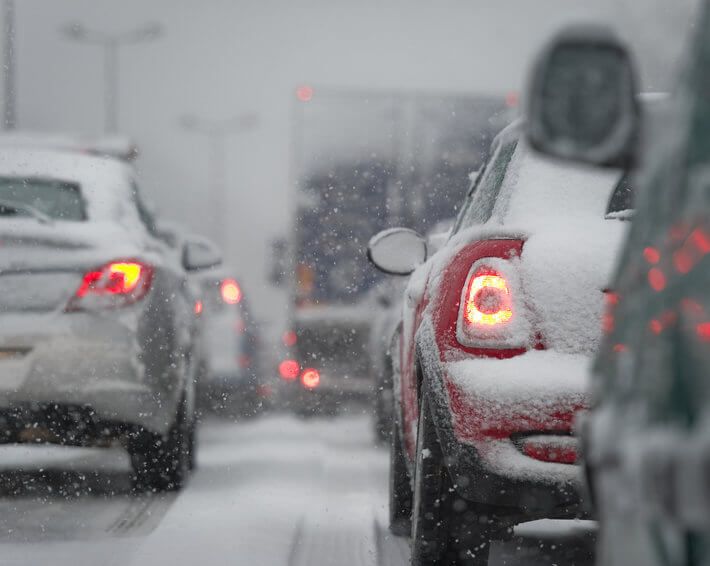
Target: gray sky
(220, 58)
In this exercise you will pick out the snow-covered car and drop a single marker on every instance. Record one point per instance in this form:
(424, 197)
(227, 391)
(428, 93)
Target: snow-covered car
(646, 442)
(498, 329)
(96, 321)
(228, 381)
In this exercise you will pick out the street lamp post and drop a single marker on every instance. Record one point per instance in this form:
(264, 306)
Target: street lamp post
(9, 110)
(111, 43)
(217, 132)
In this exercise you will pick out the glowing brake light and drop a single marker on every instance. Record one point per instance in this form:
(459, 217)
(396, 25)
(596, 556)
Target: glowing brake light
(310, 378)
(288, 369)
(492, 313)
(488, 300)
(230, 291)
(114, 284)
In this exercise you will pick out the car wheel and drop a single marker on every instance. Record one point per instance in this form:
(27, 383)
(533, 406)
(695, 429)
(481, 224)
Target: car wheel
(163, 463)
(400, 488)
(441, 533)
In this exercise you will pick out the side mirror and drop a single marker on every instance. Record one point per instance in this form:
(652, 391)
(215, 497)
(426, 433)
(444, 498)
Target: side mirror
(582, 102)
(200, 253)
(397, 251)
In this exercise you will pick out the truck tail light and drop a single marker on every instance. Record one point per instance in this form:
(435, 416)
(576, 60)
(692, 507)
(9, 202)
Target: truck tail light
(113, 285)
(289, 369)
(310, 378)
(492, 313)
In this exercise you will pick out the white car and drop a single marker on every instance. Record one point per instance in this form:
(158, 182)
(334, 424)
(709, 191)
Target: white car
(96, 320)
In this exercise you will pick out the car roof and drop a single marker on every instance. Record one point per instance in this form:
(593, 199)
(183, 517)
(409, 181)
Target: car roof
(115, 146)
(104, 183)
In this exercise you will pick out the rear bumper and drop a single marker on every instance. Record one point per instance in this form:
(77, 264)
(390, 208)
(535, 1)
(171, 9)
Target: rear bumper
(93, 363)
(480, 423)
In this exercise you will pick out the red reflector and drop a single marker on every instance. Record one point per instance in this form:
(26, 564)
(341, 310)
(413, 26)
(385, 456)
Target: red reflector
(288, 369)
(656, 279)
(651, 255)
(488, 300)
(539, 450)
(310, 378)
(231, 292)
(611, 299)
(656, 326)
(701, 241)
(289, 338)
(198, 307)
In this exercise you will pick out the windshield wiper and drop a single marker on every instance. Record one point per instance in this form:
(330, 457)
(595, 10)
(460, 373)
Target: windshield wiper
(12, 207)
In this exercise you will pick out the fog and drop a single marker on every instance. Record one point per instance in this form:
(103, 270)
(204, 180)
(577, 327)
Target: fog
(222, 58)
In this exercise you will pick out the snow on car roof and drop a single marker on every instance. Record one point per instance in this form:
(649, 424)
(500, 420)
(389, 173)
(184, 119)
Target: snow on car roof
(538, 191)
(104, 183)
(115, 146)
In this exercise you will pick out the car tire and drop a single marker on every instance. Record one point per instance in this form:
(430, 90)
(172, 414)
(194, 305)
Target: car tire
(444, 531)
(400, 488)
(162, 463)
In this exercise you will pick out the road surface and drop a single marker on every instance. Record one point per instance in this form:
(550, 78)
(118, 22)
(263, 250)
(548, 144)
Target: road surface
(273, 491)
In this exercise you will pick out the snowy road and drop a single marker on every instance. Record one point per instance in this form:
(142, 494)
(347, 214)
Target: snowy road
(274, 491)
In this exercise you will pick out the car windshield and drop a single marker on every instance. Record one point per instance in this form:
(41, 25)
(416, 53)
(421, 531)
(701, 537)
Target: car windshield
(354, 283)
(58, 200)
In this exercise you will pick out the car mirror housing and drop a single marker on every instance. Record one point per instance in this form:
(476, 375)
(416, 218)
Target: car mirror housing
(397, 251)
(582, 100)
(200, 253)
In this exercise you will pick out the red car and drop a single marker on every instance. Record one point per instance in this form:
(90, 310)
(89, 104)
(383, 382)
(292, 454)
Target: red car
(497, 331)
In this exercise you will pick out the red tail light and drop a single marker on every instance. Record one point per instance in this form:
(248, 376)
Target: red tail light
(115, 284)
(488, 300)
(231, 292)
(310, 378)
(492, 313)
(288, 369)
(289, 338)
(198, 306)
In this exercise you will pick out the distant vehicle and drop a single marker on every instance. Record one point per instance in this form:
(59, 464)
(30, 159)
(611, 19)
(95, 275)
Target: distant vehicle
(645, 439)
(343, 197)
(498, 329)
(229, 380)
(96, 322)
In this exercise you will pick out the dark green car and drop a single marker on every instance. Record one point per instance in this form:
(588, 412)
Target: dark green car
(647, 437)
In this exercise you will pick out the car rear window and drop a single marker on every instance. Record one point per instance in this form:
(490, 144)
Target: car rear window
(59, 200)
